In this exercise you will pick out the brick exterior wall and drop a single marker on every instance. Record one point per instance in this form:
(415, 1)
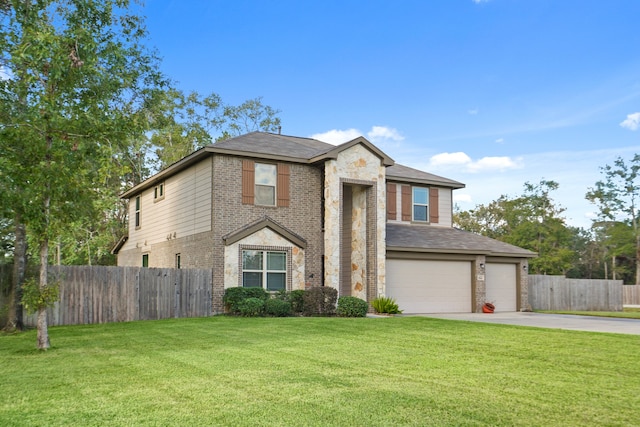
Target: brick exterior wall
(303, 216)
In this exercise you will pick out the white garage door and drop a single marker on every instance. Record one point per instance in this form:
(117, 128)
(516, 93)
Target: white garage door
(501, 286)
(421, 286)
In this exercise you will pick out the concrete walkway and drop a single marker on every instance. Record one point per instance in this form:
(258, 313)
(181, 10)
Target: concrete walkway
(543, 320)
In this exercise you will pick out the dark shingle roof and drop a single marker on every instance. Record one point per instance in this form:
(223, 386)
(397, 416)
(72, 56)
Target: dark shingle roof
(405, 173)
(426, 238)
(274, 145)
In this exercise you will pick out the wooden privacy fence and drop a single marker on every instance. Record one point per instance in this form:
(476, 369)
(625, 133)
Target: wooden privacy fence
(631, 294)
(119, 294)
(560, 293)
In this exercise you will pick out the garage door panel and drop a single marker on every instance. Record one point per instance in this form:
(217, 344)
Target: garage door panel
(501, 286)
(428, 286)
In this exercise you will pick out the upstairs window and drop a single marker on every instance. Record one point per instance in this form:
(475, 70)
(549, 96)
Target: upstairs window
(158, 192)
(266, 176)
(264, 269)
(138, 202)
(420, 204)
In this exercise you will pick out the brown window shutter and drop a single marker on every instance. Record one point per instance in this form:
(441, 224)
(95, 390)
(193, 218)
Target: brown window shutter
(407, 202)
(248, 182)
(392, 212)
(433, 205)
(283, 184)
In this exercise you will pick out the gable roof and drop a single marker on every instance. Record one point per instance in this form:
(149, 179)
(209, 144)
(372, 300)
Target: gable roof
(264, 222)
(261, 144)
(271, 146)
(407, 174)
(426, 238)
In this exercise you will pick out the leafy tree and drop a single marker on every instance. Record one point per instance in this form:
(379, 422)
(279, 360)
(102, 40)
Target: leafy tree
(532, 221)
(78, 80)
(616, 197)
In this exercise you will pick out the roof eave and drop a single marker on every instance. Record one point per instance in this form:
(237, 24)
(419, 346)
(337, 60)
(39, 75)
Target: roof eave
(462, 252)
(453, 184)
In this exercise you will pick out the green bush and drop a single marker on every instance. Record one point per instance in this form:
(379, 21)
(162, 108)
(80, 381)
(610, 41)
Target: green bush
(277, 307)
(251, 307)
(296, 298)
(349, 306)
(233, 297)
(320, 301)
(259, 293)
(385, 305)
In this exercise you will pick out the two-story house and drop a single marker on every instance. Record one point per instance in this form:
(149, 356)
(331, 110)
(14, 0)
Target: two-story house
(284, 212)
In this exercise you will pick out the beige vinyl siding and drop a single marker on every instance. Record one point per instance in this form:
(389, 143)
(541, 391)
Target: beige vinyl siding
(445, 207)
(185, 209)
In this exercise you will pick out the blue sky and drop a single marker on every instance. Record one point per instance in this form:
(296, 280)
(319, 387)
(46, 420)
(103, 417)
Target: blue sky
(492, 93)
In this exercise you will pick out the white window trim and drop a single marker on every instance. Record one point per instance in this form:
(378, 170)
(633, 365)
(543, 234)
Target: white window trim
(275, 184)
(264, 250)
(414, 204)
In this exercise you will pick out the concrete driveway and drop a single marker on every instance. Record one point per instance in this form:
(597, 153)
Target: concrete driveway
(555, 321)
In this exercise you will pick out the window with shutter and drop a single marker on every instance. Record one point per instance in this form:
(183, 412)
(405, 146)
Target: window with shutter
(392, 213)
(248, 182)
(433, 206)
(406, 203)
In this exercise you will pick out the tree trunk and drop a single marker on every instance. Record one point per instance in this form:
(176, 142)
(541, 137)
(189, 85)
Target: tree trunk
(43, 330)
(14, 316)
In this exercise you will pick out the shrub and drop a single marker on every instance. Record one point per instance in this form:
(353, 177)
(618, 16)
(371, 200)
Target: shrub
(349, 306)
(320, 301)
(232, 298)
(259, 293)
(35, 298)
(251, 307)
(277, 307)
(296, 298)
(386, 305)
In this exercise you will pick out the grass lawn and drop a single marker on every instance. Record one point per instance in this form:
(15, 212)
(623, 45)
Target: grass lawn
(319, 371)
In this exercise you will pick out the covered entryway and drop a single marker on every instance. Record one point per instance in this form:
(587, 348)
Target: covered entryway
(429, 286)
(501, 282)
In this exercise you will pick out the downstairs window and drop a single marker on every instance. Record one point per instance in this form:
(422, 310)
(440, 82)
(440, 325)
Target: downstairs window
(264, 269)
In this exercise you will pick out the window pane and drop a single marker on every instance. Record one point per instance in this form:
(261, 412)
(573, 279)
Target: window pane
(275, 281)
(265, 174)
(419, 213)
(276, 261)
(420, 195)
(252, 280)
(265, 195)
(251, 260)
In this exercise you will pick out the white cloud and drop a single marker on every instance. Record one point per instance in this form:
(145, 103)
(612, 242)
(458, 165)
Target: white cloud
(450, 159)
(632, 122)
(473, 112)
(383, 133)
(500, 140)
(460, 159)
(336, 136)
(494, 164)
(377, 135)
(480, 1)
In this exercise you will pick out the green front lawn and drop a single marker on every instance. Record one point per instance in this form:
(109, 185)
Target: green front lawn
(319, 371)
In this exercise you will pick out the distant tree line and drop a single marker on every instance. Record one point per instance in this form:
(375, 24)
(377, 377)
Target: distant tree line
(609, 249)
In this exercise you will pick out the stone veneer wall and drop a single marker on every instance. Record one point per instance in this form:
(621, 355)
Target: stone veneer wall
(303, 216)
(264, 239)
(356, 165)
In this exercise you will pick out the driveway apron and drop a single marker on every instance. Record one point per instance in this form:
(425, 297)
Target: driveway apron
(554, 321)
